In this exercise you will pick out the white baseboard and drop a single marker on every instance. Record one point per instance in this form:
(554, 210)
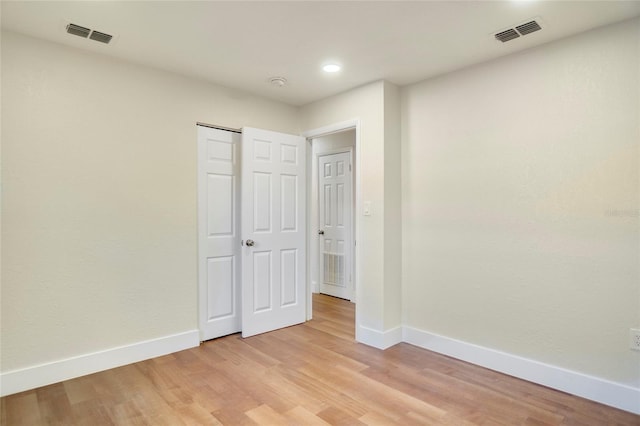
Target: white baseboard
(603, 391)
(45, 374)
(379, 339)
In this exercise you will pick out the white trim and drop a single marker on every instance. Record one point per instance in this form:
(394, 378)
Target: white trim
(45, 374)
(339, 150)
(332, 128)
(596, 389)
(379, 339)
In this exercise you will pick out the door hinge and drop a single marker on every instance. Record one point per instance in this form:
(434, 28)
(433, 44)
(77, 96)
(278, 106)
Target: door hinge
(349, 167)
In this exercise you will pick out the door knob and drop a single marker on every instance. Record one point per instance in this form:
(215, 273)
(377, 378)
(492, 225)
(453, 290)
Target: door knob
(250, 243)
(321, 232)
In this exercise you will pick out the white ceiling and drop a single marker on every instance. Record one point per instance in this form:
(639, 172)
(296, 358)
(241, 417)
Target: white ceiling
(241, 44)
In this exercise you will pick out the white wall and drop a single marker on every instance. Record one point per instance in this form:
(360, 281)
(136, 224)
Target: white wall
(99, 198)
(520, 204)
(334, 141)
(392, 209)
(366, 103)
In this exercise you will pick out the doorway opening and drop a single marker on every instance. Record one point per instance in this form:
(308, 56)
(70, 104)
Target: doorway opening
(332, 195)
(334, 198)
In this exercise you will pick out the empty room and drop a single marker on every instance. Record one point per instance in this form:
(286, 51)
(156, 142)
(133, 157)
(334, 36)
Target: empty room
(320, 212)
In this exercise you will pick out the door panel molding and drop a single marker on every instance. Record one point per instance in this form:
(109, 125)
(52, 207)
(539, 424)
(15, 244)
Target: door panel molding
(335, 208)
(274, 219)
(218, 230)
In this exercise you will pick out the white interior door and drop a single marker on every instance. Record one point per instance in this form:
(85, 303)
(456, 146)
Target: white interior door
(335, 219)
(218, 233)
(273, 230)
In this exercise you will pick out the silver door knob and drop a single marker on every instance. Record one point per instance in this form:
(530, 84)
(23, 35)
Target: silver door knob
(250, 243)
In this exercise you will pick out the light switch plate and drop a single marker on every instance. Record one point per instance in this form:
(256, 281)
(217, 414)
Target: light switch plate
(366, 208)
(634, 339)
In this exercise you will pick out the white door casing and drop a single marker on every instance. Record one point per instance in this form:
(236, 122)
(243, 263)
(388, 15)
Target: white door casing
(335, 224)
(273, 230)
(218, 233)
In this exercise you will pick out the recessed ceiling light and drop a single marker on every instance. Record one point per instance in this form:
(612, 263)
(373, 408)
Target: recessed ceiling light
(331, 68)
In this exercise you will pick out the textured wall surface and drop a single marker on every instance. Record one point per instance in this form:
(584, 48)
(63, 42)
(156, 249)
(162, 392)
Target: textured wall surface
(99, 198)
(521, 200)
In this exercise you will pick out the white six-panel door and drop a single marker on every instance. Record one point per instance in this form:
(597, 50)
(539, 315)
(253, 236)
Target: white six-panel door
(335, 220)
(218, 233)
(273, 231)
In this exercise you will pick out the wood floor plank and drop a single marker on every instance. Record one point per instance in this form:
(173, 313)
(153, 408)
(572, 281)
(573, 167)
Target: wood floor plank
(374, 418)
(265, 415)
(336, 416)
(54, 405)
(88, 413)
(310, 374)
(21, 409)
(302, 416)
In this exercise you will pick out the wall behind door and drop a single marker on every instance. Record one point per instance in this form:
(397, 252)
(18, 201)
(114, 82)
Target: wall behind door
(99, 197)
(521, 228)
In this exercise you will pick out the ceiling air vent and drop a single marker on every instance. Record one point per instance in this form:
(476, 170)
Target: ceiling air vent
(101, 37)
(507, 35)
(528, 28)
(89, 33)
(518, 30)
(78, 30)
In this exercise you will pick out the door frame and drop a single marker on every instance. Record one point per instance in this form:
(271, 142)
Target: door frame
(312, 216)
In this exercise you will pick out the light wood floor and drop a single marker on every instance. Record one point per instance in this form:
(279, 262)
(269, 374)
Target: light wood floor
(304, 375)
